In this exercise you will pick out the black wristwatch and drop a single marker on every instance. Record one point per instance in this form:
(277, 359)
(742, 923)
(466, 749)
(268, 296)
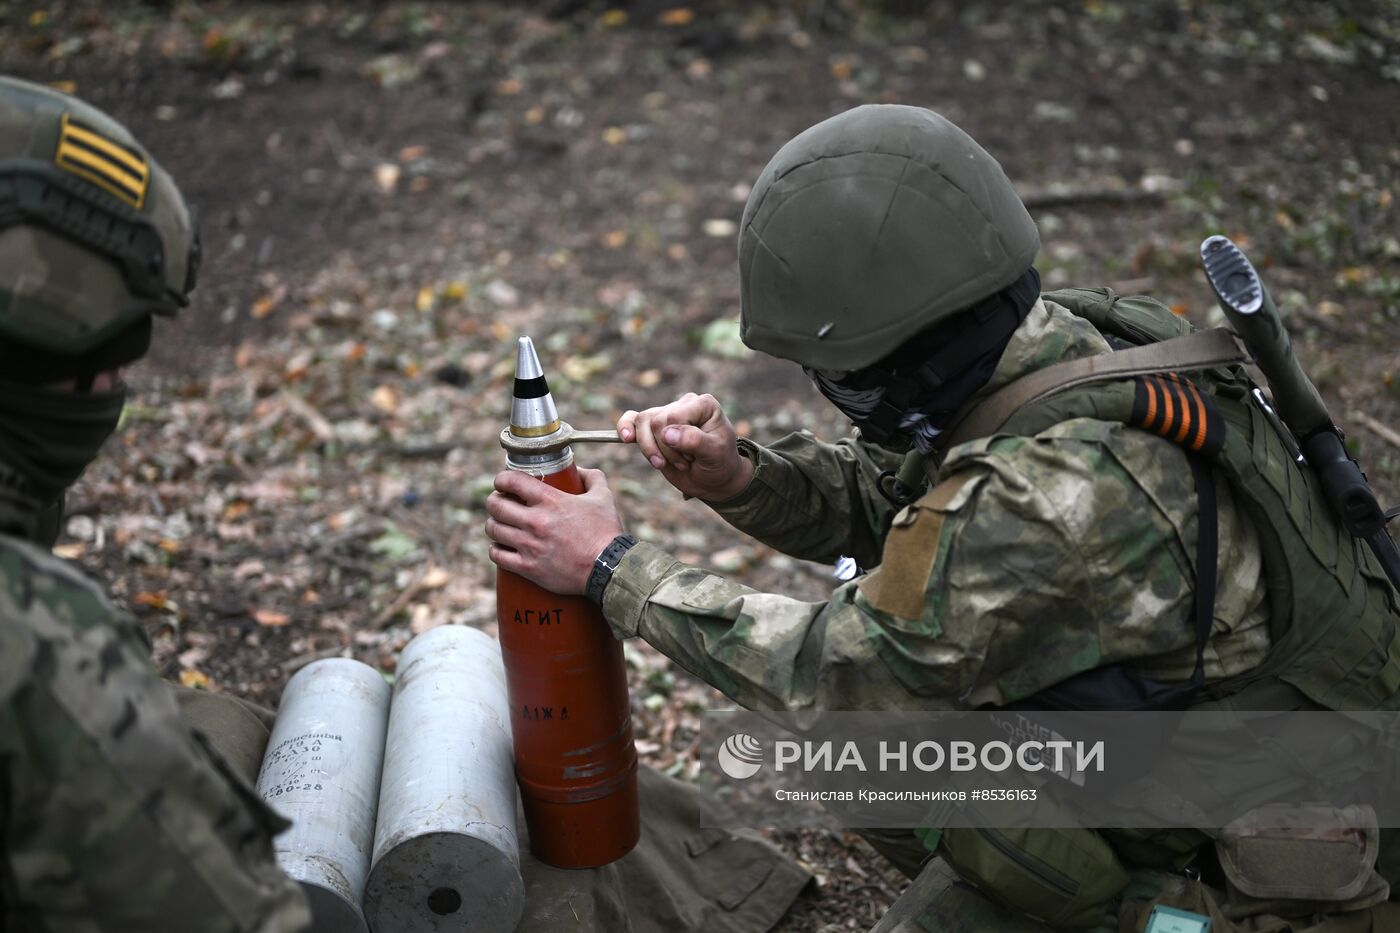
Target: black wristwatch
(604, 565)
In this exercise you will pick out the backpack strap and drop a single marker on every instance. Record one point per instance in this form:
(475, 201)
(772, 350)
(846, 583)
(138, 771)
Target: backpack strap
(1204, 349)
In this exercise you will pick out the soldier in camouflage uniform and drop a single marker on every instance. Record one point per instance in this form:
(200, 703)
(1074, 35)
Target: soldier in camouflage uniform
(887, 253)
(115, 815)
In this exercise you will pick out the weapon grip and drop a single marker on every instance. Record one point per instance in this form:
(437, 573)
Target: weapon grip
(1344, 484)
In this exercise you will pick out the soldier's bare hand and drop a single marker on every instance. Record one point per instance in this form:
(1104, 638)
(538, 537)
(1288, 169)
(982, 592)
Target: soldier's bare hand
(693, 444)
(547, 536)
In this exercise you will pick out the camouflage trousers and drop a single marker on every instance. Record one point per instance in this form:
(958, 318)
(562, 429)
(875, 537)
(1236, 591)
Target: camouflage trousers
(936, 900)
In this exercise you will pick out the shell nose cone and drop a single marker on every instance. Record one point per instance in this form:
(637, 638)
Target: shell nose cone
(527, 361)
(532, 411)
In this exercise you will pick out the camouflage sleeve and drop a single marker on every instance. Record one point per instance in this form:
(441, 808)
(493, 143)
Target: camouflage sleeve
(814, 500)
(1039, 558)
(115, 815)
(762, 650)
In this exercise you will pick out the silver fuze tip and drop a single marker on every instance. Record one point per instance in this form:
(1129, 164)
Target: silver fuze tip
(532, 411)
(527, 361)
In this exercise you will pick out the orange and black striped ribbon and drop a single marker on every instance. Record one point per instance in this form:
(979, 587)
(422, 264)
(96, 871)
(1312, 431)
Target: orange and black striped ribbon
(1171, 406)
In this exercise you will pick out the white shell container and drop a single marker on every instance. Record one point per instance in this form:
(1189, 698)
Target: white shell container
(446, 854)
(321, 771)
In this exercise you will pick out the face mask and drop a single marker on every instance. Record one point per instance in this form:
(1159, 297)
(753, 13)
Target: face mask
(918, 422)
(49, 436)
(910, 396)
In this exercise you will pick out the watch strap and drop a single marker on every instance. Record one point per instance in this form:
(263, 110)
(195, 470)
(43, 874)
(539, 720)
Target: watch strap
(604, 565)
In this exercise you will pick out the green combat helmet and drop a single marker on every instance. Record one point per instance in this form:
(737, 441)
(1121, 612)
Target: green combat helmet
(870, 227)
(94, 239)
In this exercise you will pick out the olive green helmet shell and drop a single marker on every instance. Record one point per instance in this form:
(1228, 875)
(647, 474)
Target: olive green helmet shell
(122, 245)
(869, 227)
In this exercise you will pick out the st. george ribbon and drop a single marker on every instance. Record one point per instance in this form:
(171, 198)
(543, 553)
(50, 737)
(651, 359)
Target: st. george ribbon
(570, 714)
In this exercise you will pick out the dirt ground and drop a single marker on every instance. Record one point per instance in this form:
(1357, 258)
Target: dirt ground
(391, 193)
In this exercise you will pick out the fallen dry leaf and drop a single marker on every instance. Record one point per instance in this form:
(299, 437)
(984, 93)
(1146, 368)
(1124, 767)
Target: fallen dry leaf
(153, 600)
(270, 618)
(583, 368)
(385, 399)
(249, 568)
(267, 303)
(386, 177)
(228, 531)
(677, 16)
(298, 365)
(195, 680)
(422, 618)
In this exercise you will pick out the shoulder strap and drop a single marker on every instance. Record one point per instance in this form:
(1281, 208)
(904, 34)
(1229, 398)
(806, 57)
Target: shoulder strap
(1200, 350)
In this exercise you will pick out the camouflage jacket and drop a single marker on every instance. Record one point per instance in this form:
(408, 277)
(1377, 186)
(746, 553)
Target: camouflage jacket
(115, 815)
(1048, 556)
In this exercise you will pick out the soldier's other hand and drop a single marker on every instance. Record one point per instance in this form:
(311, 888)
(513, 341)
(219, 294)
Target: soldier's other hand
(693, 444)
(547, 536)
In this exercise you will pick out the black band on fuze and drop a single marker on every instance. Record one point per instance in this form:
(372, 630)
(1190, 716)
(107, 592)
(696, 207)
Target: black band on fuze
(531, 388)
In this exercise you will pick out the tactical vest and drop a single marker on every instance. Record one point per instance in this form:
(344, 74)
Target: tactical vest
(1332, 613)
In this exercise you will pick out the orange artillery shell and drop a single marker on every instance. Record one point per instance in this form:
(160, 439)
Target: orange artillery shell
(570, 713)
